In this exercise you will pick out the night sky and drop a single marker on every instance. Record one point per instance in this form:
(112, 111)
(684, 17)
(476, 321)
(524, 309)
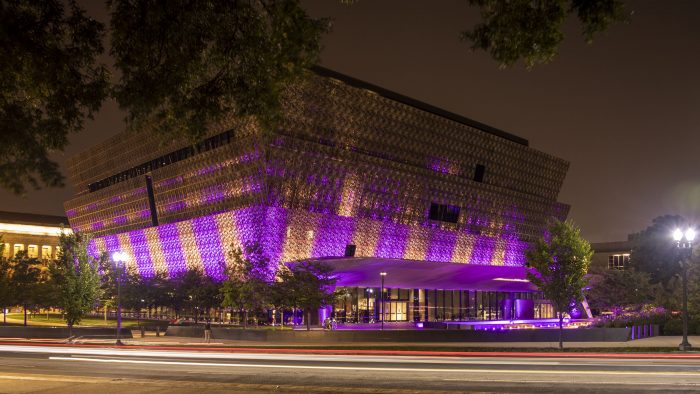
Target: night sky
(624, 111)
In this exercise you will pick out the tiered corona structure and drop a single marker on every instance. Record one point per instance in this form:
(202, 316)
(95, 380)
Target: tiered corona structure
(351, 171)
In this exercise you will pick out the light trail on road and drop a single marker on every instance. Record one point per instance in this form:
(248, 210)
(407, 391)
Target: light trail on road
(359, 368)
(346, 372)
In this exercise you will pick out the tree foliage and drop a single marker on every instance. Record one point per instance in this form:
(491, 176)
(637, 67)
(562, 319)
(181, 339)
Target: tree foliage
(531, 30)
(25, 279)
(248, 286)
(187, 64)
(620, 289)
(6, 298)
(194, 292)
(560, 261)
(308, 285)
(49, 83)
(76, 277)
(654, 250)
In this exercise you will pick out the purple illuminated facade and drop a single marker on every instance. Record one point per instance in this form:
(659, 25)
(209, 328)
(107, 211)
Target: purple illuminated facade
(350, 164)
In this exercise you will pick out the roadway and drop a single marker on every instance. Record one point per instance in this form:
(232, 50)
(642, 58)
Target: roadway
(57, 369)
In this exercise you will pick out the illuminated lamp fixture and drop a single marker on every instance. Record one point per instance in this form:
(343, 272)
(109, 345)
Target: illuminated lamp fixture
(381, 294)
(511, 280)
(684, 244)
(119, 258)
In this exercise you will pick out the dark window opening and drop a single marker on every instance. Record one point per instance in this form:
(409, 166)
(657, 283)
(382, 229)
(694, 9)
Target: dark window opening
(167, 159)
(444, 213)
(479, 173)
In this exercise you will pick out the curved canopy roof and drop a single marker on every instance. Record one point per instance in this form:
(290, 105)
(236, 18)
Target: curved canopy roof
(414, 274)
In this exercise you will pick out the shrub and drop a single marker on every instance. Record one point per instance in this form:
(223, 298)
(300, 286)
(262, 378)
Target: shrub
(673, 327)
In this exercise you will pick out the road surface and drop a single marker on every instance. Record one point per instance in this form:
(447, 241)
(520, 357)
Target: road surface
(25, 368)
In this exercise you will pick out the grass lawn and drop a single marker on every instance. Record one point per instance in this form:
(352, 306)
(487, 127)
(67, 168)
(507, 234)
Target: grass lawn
(55, 319)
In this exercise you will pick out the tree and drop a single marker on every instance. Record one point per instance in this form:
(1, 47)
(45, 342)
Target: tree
(49, 83)
(619, 289)
(248, 286)
(155, 291)
(194, 291)
(560, 261)
(185, 64)
(655, 252)
(532, 30)
(24, 279)
(76, 276)
(308, 285)
(5, 284)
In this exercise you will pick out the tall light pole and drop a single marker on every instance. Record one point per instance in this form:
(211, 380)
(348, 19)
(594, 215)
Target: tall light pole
(119, 259)
(381, 294)
(684, 243)
(369, 291)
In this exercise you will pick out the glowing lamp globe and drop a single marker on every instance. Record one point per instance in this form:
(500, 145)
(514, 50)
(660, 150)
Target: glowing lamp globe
(677, 234)
(690, 234)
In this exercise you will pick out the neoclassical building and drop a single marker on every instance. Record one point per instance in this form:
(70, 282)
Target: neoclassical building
(362, 178)
(35, 234)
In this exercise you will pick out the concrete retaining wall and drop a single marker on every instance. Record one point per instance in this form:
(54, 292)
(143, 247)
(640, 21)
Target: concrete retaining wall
(35, 332)
(298, 336)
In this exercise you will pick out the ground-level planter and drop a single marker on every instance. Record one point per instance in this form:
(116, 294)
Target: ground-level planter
(38, 332)
(416, 335)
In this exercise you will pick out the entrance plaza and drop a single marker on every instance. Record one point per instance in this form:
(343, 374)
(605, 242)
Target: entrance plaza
(421, 291)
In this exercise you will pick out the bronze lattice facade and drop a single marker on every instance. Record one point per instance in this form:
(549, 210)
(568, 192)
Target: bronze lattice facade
(350, 164)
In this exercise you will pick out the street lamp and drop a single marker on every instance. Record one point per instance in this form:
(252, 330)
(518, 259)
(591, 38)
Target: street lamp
(119, 258)
(382, 274)
(684, 243)
(368, 292)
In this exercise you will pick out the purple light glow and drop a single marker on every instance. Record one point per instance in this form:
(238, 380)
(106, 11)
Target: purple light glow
(176, 206)
(170, 181)
(204, 241)
(112, 244)
(441, 245)
(334, 233)
(392, 240)
(483, 250)
(139, 245)
(275, 225)
(206, 235)
(92, 249)
(172, 248)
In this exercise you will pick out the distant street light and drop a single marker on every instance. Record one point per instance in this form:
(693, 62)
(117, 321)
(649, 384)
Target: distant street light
(119, 258)
(383, 275)
(684, 243)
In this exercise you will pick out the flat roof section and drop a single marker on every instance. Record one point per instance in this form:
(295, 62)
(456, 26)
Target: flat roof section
(414, 274)
(32, 218)
(322, 71)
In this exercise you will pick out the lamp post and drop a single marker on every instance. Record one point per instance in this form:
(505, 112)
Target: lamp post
(381, 294)
(684, 243)
(119, 259)
(368, 292)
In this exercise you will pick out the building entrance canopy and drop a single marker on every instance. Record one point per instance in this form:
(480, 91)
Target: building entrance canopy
(413, 274)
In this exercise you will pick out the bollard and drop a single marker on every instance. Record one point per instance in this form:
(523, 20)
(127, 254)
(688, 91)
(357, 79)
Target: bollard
(157, 331)
(143, 331)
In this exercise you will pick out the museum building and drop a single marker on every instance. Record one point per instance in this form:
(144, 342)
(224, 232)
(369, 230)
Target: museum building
(359, 177)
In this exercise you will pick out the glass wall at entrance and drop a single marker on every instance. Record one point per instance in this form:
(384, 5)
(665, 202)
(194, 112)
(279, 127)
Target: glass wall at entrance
(364, 305)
